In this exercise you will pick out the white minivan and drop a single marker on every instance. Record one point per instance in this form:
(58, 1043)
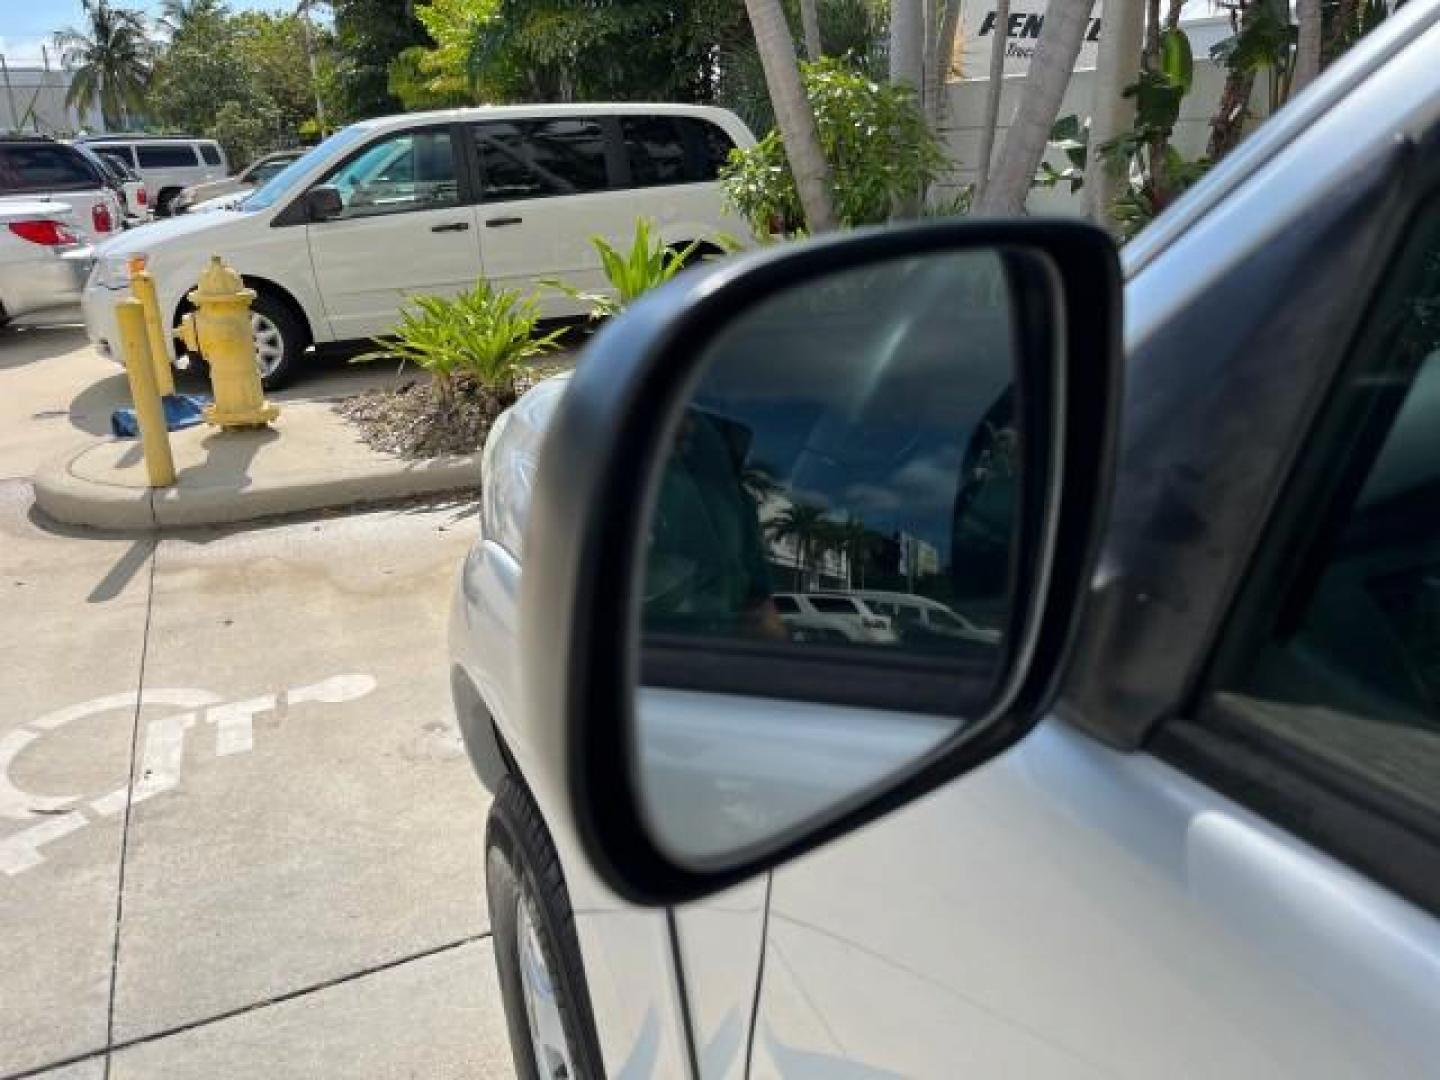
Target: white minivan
(429, 203)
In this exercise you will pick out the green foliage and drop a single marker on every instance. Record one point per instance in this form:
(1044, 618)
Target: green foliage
(242, 79)
(369, 35)
(874, 135)
(647, 265)
(481, 335)
(1071, 138)
(110, 59)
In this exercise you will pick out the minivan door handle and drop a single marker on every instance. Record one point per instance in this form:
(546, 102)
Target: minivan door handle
(500, 222)
(453, 226)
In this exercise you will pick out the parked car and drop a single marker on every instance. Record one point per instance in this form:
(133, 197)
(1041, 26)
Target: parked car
(167, 163)
(126, 182)
(43, 258)
(232, 188)
(1185, 820)
(917, 616)
(847, 614)
(34, 167)
(397, 205)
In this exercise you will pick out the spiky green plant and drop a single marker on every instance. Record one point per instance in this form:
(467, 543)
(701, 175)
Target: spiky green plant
(485, 335)
(647, 265)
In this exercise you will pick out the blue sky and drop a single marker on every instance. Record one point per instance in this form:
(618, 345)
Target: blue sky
(27, 24)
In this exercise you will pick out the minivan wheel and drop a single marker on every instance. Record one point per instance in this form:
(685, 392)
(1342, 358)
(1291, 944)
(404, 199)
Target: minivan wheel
(537, 955)
(279, 340)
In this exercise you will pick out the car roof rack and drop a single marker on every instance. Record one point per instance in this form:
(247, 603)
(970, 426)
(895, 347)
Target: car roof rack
(131, 136)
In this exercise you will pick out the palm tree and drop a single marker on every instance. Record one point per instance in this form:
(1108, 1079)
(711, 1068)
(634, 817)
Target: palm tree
(1050, 69)
(802, 523)
(793, 114)
(854, 540)
(999, 38)
(176, 15)
(810, 25)
(109, 60)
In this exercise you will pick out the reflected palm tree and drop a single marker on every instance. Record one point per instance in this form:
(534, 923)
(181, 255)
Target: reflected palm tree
(854, 540)
(804, 524)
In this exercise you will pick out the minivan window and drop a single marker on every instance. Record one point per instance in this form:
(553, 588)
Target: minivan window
(410, 171)
(40, 166)
(162, 156)
(708, 145)
(210, 153)
(673, 149)
(655, 149)
(834, 605)
(279, 186)
(528, 159)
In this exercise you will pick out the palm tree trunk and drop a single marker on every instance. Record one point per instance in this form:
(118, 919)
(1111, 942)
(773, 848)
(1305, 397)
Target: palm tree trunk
(1307, 44)
(793, 113)
(810, 24)
(1050, 70)
(942, 55)
(907, 43)
(999, 41)
(907, 68)
(1111, 112)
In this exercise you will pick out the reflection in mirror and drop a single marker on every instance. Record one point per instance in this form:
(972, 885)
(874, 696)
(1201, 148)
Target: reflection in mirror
(841, 494)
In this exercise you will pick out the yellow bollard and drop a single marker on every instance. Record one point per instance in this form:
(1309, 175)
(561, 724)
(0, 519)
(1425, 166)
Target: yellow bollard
(142, 287)
(154, 436)
(219, 329)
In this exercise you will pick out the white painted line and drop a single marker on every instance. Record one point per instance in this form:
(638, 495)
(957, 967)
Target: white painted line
(21, 851)
(16, 804)
(333, 690)
(163, 756)
(234, 726)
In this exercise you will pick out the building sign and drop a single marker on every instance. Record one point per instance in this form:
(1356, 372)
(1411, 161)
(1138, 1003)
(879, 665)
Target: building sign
(1022, 34)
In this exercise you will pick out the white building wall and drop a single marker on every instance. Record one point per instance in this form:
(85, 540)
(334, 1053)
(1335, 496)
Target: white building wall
(965, 108)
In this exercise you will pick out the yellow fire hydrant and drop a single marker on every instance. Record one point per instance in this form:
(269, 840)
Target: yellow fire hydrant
(219, 329)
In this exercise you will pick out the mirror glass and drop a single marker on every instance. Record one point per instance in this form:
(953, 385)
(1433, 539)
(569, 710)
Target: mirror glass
(827, 583)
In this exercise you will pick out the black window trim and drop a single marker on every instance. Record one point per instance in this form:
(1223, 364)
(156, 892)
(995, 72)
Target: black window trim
(196, 161)
(1215, 738)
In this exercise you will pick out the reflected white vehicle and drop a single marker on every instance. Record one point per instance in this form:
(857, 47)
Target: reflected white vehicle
(846, 614)
(912, 613)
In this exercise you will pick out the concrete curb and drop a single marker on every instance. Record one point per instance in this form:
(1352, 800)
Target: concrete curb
(313, 460)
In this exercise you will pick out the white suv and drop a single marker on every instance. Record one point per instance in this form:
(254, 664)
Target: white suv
(168, 164)
(429, 203)
(833, 617)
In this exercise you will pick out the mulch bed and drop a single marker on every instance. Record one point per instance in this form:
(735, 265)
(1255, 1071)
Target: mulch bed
(413, 421)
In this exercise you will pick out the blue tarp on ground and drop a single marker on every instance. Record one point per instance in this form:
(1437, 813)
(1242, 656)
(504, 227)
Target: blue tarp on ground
(181, 411)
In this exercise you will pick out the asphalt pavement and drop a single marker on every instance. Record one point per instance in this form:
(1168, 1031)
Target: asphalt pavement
(238, 835)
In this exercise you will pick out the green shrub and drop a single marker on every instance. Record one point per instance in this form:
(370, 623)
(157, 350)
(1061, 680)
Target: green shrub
(874, 136)
(483, 335)
(647, 265)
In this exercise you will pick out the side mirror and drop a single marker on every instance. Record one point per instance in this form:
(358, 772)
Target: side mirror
(809, 536)
(323, 202)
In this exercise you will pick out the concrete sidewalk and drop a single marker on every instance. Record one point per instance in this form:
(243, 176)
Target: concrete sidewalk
(239, 835)
(309, 459)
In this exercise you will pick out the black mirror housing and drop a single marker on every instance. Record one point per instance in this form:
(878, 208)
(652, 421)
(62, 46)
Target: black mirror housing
(323, 202)
(597, 481)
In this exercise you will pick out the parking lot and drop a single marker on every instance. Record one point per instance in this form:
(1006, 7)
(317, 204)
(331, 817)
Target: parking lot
(238, 835)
